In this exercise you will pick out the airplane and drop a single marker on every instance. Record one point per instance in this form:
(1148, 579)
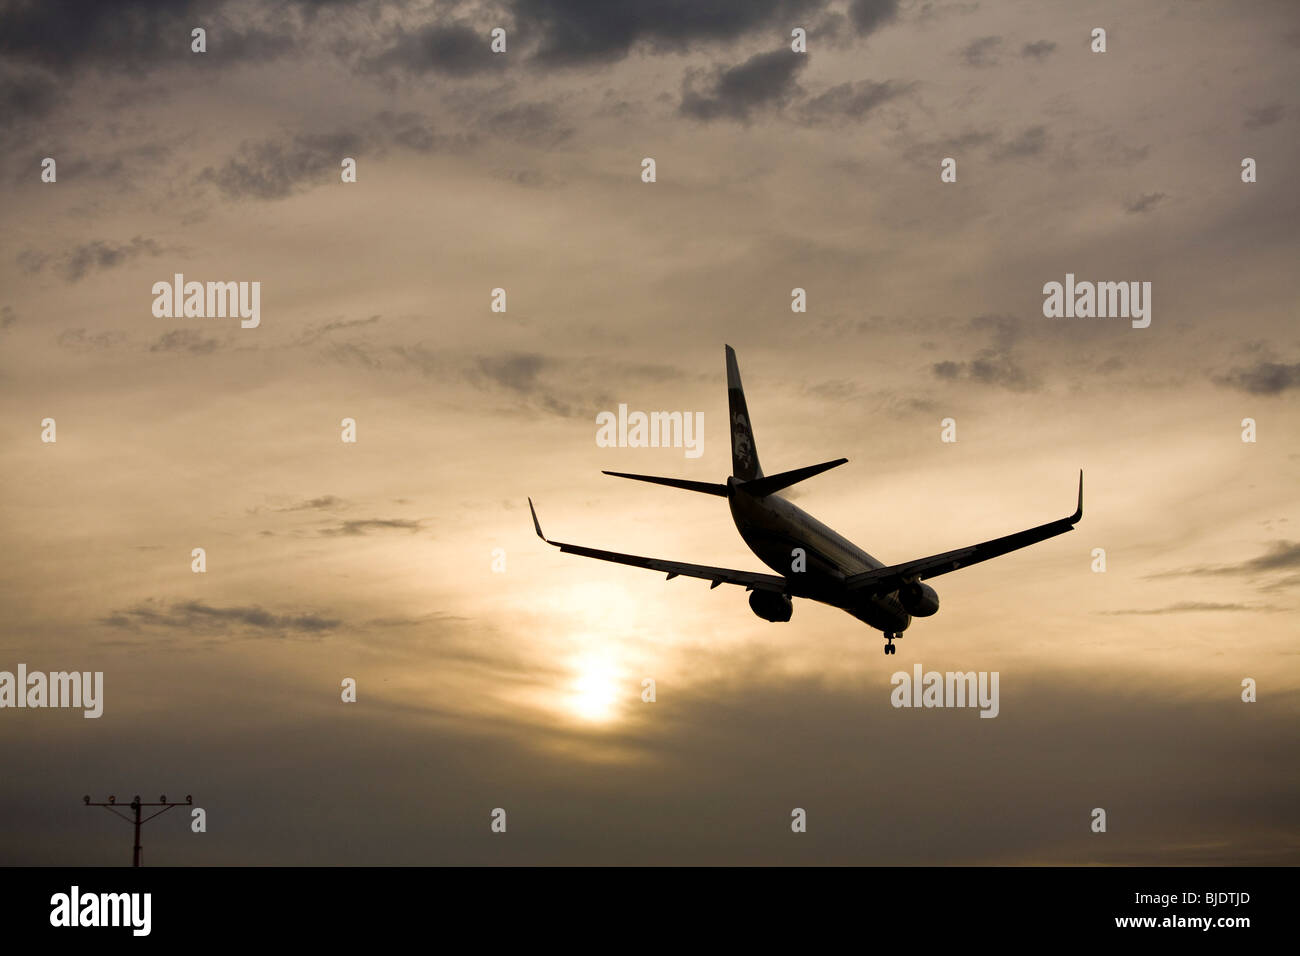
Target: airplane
(834, 570)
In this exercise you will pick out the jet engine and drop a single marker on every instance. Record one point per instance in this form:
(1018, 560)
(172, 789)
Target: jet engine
(919, 600)
(771, 606)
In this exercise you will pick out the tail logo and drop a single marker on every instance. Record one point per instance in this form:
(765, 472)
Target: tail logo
(742, 445)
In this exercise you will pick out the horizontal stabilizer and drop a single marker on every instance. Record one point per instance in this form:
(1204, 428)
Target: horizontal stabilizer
(707, 487)
(774, 483)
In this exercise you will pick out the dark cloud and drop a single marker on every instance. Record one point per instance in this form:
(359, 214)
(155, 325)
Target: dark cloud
(1263, 378)
(1189, 607)
(1144, 203)
(1117, 151)
(31, 261)
(447, 49)
(516, 372)
(184, 340)
(995, 365)
(1264, 116)
(101, 254)
(137, 36)
(535, 123)
(203, 618)
(982, 51)
(1029, 143)
(316, 504)
(7, 317)
(764, 80)
(870, 15)
(520, 374)
(75, 263)
(1281, 556)
(1039, 49)
(314, 332)
(26, 94)
(364, 526)
(851, 101)
(951, 145)
(575, 32)
(79, 340)
(122, 166)
(707, 779)
(989, 367)
(275, 170)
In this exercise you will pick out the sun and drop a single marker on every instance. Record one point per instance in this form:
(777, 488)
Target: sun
(594, 691)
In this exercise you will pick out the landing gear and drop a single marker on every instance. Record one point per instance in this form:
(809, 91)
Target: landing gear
(889, 642)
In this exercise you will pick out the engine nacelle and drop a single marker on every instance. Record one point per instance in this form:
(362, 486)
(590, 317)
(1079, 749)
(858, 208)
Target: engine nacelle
(771, 606)
(919, 600)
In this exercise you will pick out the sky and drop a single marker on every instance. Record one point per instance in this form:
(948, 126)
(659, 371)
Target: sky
(492, 671)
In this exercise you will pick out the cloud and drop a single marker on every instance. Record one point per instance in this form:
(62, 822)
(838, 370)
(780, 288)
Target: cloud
(314, 332)
(982, 51)
(764, 80)
(1188, 607)
(851, 101)
(75, 263)
(315, 504)
(26, 94)
(730, 757)
(271, 169)
(995, 365)
(1029, 143)
(136, 36)
(1144, 203)
(31, 261)
(101, 254)
(1264, 116)
(448, 49)
(7, 317)
(412, 131)
(535, 123)
(358, 528)
(870, 15)
(951, 145)
(203, 618)
(1039, 49)
(989, 367)
(578, 32)
(515, 372)
(79, 340)
(1263, 378)
(184, 340)
(1281, 556)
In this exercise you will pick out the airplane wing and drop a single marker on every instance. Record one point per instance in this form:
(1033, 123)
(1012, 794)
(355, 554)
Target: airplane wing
(749, 580)
(885, 580)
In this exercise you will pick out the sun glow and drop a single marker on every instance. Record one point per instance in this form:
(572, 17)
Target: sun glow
(595, 690)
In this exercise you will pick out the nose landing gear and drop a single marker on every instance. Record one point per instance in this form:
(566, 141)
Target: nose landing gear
(889, 642)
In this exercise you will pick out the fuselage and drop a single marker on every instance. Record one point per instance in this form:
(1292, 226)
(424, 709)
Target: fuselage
(773, 528)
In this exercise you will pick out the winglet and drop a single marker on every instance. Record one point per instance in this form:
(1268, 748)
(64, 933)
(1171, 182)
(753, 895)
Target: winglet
(1078, 514)
(536, 525)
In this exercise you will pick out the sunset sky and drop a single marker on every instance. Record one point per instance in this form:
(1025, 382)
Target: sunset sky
(521, 688)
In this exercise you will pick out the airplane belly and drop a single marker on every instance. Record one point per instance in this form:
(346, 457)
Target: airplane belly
(883, 613)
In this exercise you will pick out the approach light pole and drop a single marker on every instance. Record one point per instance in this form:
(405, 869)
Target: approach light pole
(135, 805)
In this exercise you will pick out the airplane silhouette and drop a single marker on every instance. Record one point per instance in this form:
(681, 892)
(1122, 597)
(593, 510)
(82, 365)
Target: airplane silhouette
(833, 570)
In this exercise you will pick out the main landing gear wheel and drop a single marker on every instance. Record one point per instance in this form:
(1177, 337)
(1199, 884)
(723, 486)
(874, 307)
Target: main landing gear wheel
(889, 646)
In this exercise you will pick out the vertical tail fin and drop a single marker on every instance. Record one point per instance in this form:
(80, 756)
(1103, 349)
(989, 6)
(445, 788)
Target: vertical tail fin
(744, 453)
